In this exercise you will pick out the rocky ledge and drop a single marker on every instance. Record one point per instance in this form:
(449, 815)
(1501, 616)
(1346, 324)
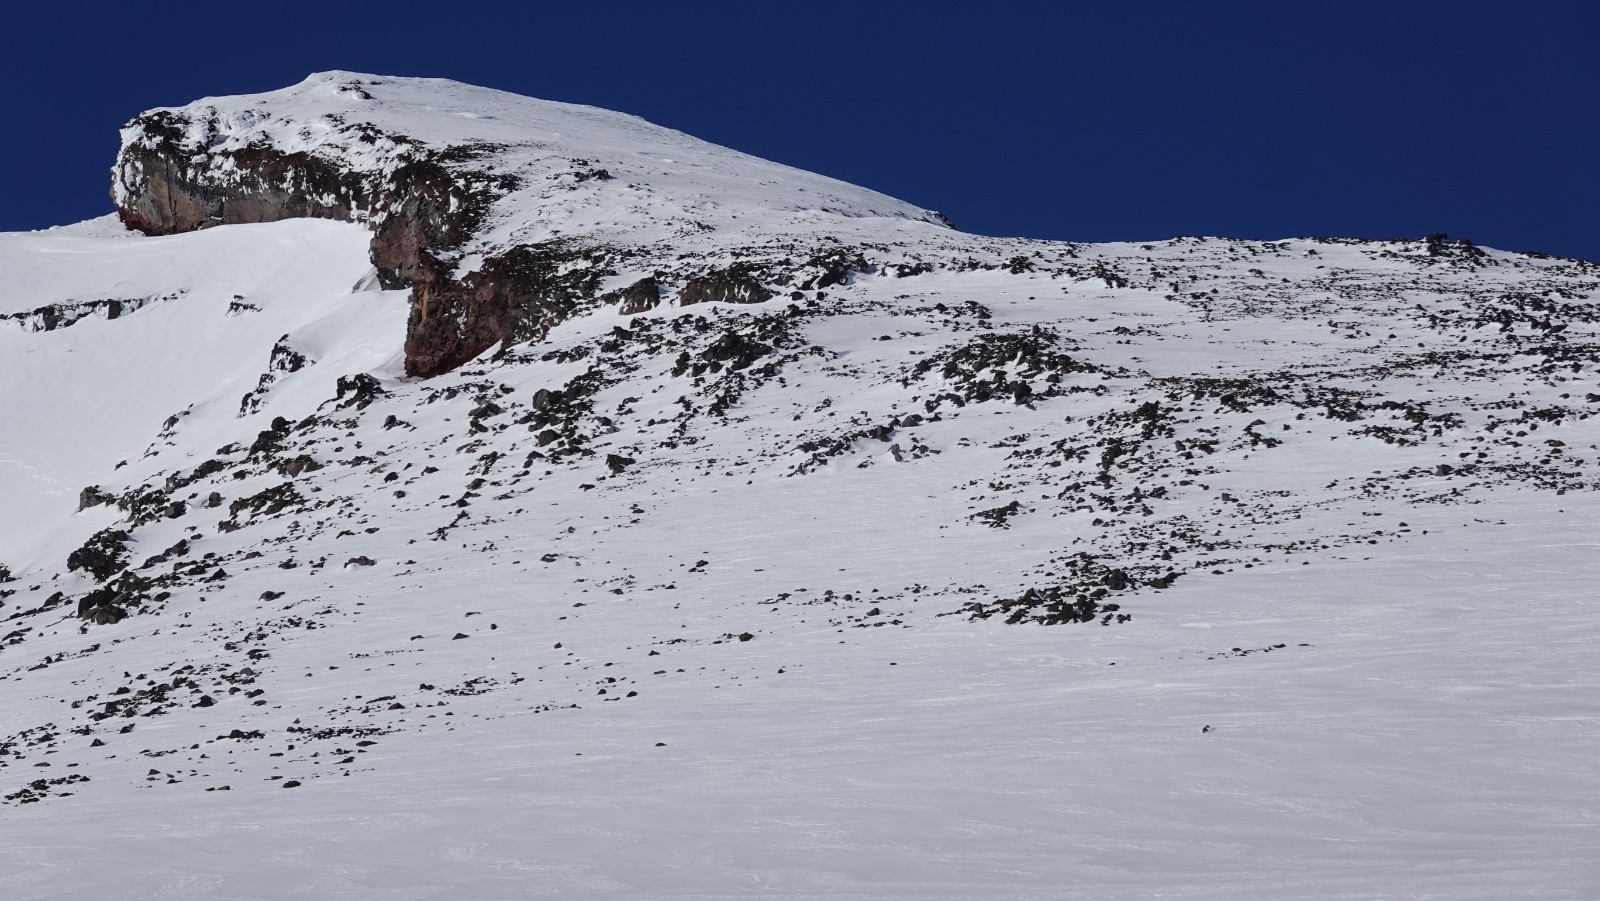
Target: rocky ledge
(503, 214)
(168, 180)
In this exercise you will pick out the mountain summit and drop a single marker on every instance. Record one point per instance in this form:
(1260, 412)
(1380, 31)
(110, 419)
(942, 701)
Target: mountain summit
(502, 212)
(421, 491)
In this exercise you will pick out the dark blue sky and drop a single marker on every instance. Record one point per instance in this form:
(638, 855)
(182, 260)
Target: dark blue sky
(1060, 120)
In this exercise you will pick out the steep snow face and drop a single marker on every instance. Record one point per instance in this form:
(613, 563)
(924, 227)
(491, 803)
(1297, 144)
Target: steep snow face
(823, 550)
(108, 343)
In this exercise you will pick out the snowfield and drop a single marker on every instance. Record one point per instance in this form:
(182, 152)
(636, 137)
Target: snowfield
(980, 568)
(1427, 745)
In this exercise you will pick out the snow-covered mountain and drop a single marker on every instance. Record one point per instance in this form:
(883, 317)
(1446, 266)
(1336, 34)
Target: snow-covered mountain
(501, 212)
(508, 497)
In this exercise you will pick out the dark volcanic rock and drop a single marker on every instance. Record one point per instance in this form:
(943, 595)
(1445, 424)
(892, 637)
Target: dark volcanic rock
(106, 616)
(512, 299)
(103, 555)
(729, 286)
(168, 192)
(639, 297)
(170, 179)
(358, 390)
(93, 497)
(478, 215)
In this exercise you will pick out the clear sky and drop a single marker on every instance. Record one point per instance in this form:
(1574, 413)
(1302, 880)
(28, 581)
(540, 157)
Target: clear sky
(1106, 121)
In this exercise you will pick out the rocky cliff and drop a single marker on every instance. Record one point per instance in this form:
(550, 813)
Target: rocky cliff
(502, 213)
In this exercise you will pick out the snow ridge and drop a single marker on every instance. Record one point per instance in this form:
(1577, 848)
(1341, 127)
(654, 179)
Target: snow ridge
(375, 124)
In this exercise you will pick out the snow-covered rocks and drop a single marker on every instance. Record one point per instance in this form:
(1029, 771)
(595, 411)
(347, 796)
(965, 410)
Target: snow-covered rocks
(503, 213)
(866, 548)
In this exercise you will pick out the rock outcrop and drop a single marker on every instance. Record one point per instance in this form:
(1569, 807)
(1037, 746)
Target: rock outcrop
(167, 181)
(502, 214)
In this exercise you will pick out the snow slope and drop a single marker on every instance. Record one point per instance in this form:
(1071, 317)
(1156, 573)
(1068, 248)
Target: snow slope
(80, 399)
(992, 568)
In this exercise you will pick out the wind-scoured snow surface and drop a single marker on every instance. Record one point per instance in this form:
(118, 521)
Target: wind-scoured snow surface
(995, 569)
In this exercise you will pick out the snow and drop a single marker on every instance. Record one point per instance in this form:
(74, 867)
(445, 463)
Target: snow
(1375, 677)
(1426, 745)
(657, 185)
(66, 395)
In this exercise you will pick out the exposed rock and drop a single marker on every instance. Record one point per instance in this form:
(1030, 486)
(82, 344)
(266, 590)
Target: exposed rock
(283, 360)
(270, 440)
(373, 151)
(106, 616)
(161, 188)
(731, 350)
(103, 555)
(50, 317)
(729, 286)
(641, 296)
(170, 178)
(93, 497)
(358, 391)
(301, 464)
(268, 501)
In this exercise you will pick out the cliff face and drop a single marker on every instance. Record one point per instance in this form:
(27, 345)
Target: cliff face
(167, 182)
(503, 214)
(166, 185)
